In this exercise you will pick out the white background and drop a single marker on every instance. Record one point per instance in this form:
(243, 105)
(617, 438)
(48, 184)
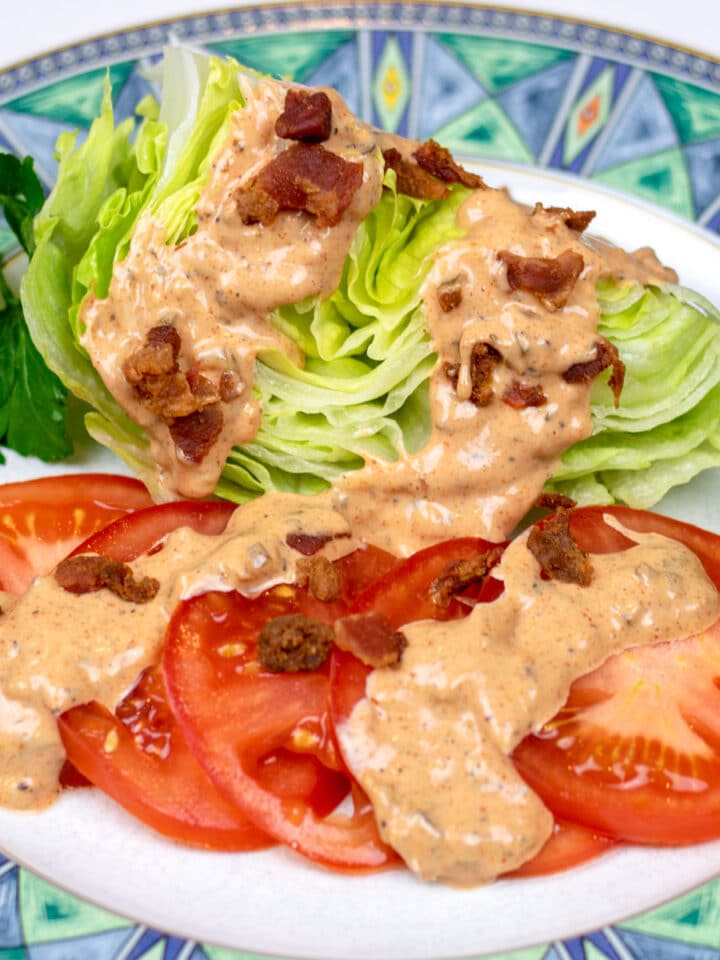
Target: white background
(35, 26)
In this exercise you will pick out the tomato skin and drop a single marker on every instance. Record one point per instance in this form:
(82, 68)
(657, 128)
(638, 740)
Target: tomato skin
(569, 845)
(42, 521)
(635, 751)
(235, 714)
(142, 531)
(402, 594)
(145, 765)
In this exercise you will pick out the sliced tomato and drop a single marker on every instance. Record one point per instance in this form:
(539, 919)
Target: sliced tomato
(569, 846)
(144, 530)
(139, 758)
(41, 521)
(402, 594)
(361, 568)
(243, 722)
(635, 751)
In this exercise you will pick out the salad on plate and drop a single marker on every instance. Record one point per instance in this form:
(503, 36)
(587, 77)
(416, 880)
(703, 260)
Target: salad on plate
(387, 589)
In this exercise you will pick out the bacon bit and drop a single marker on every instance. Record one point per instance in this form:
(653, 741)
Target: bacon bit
(439, 162)
(294, 643)
(230, 386)
(371, 638)
(154, 374)
(553, 501)
(195, 434)
(550, 279)
(321, 577)
(554, 548)
(576, 220)
(412, 180)
(450, 294)
(87, 574)
(305, 177)
(520, 395)
(606, 355)
(307, 543)
(483, 359)
(461, 574)
(307, 116)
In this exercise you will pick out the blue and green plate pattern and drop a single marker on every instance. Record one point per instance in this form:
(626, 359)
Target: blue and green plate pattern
(624, 111)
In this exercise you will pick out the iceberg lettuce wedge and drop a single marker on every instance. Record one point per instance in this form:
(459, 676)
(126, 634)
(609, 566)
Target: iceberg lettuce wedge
(364, 388)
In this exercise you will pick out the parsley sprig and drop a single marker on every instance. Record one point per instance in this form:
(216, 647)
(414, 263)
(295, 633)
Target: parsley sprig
(32, 398)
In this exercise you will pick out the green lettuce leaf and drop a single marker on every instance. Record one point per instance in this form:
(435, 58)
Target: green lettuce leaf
(667, 426)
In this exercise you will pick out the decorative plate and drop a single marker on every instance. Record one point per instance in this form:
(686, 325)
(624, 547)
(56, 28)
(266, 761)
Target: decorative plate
(620, 115)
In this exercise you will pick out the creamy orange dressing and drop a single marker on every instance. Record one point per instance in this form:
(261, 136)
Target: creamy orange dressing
(430, 742)
(483, 467)
(59, 649)
(218, 286)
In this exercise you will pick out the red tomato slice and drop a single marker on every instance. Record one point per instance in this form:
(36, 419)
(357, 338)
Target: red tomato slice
(140, 759)
(403, 593)
(41, 521)
(242, 723)
(143, 531)
(569, 846)
(635, 752)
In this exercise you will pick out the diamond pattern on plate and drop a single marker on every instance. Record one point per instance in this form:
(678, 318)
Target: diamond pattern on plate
(644, 126)
(446, 88)
(48, 914)
(588, 115)
(662, 178)
(294, 56)
(391, 85)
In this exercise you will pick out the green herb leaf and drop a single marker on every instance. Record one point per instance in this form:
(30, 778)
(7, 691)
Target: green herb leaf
(32, 398)
(21, 196)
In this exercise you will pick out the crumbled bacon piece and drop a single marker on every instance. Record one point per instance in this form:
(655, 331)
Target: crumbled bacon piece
(606, 355)
(439, 162)
(321, 577)
(88, 573)
(371, 638)
(520, 395)
(550, 279)
(450, 294)
(230, 385)
(411, 179)
(195, 434)
(554, 548)
(553, 501)
(483, 359)
(307, 543)
(461, 574)
(188, 402)
(305, 177)
(576, 220)
(293, 643)
(154, 374)
(307, 116)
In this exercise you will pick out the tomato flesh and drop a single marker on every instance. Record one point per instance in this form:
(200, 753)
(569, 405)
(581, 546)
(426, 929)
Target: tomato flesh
(235, 715)
(635, 751)
(139, 758)
(42, 521)
(569, 845)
